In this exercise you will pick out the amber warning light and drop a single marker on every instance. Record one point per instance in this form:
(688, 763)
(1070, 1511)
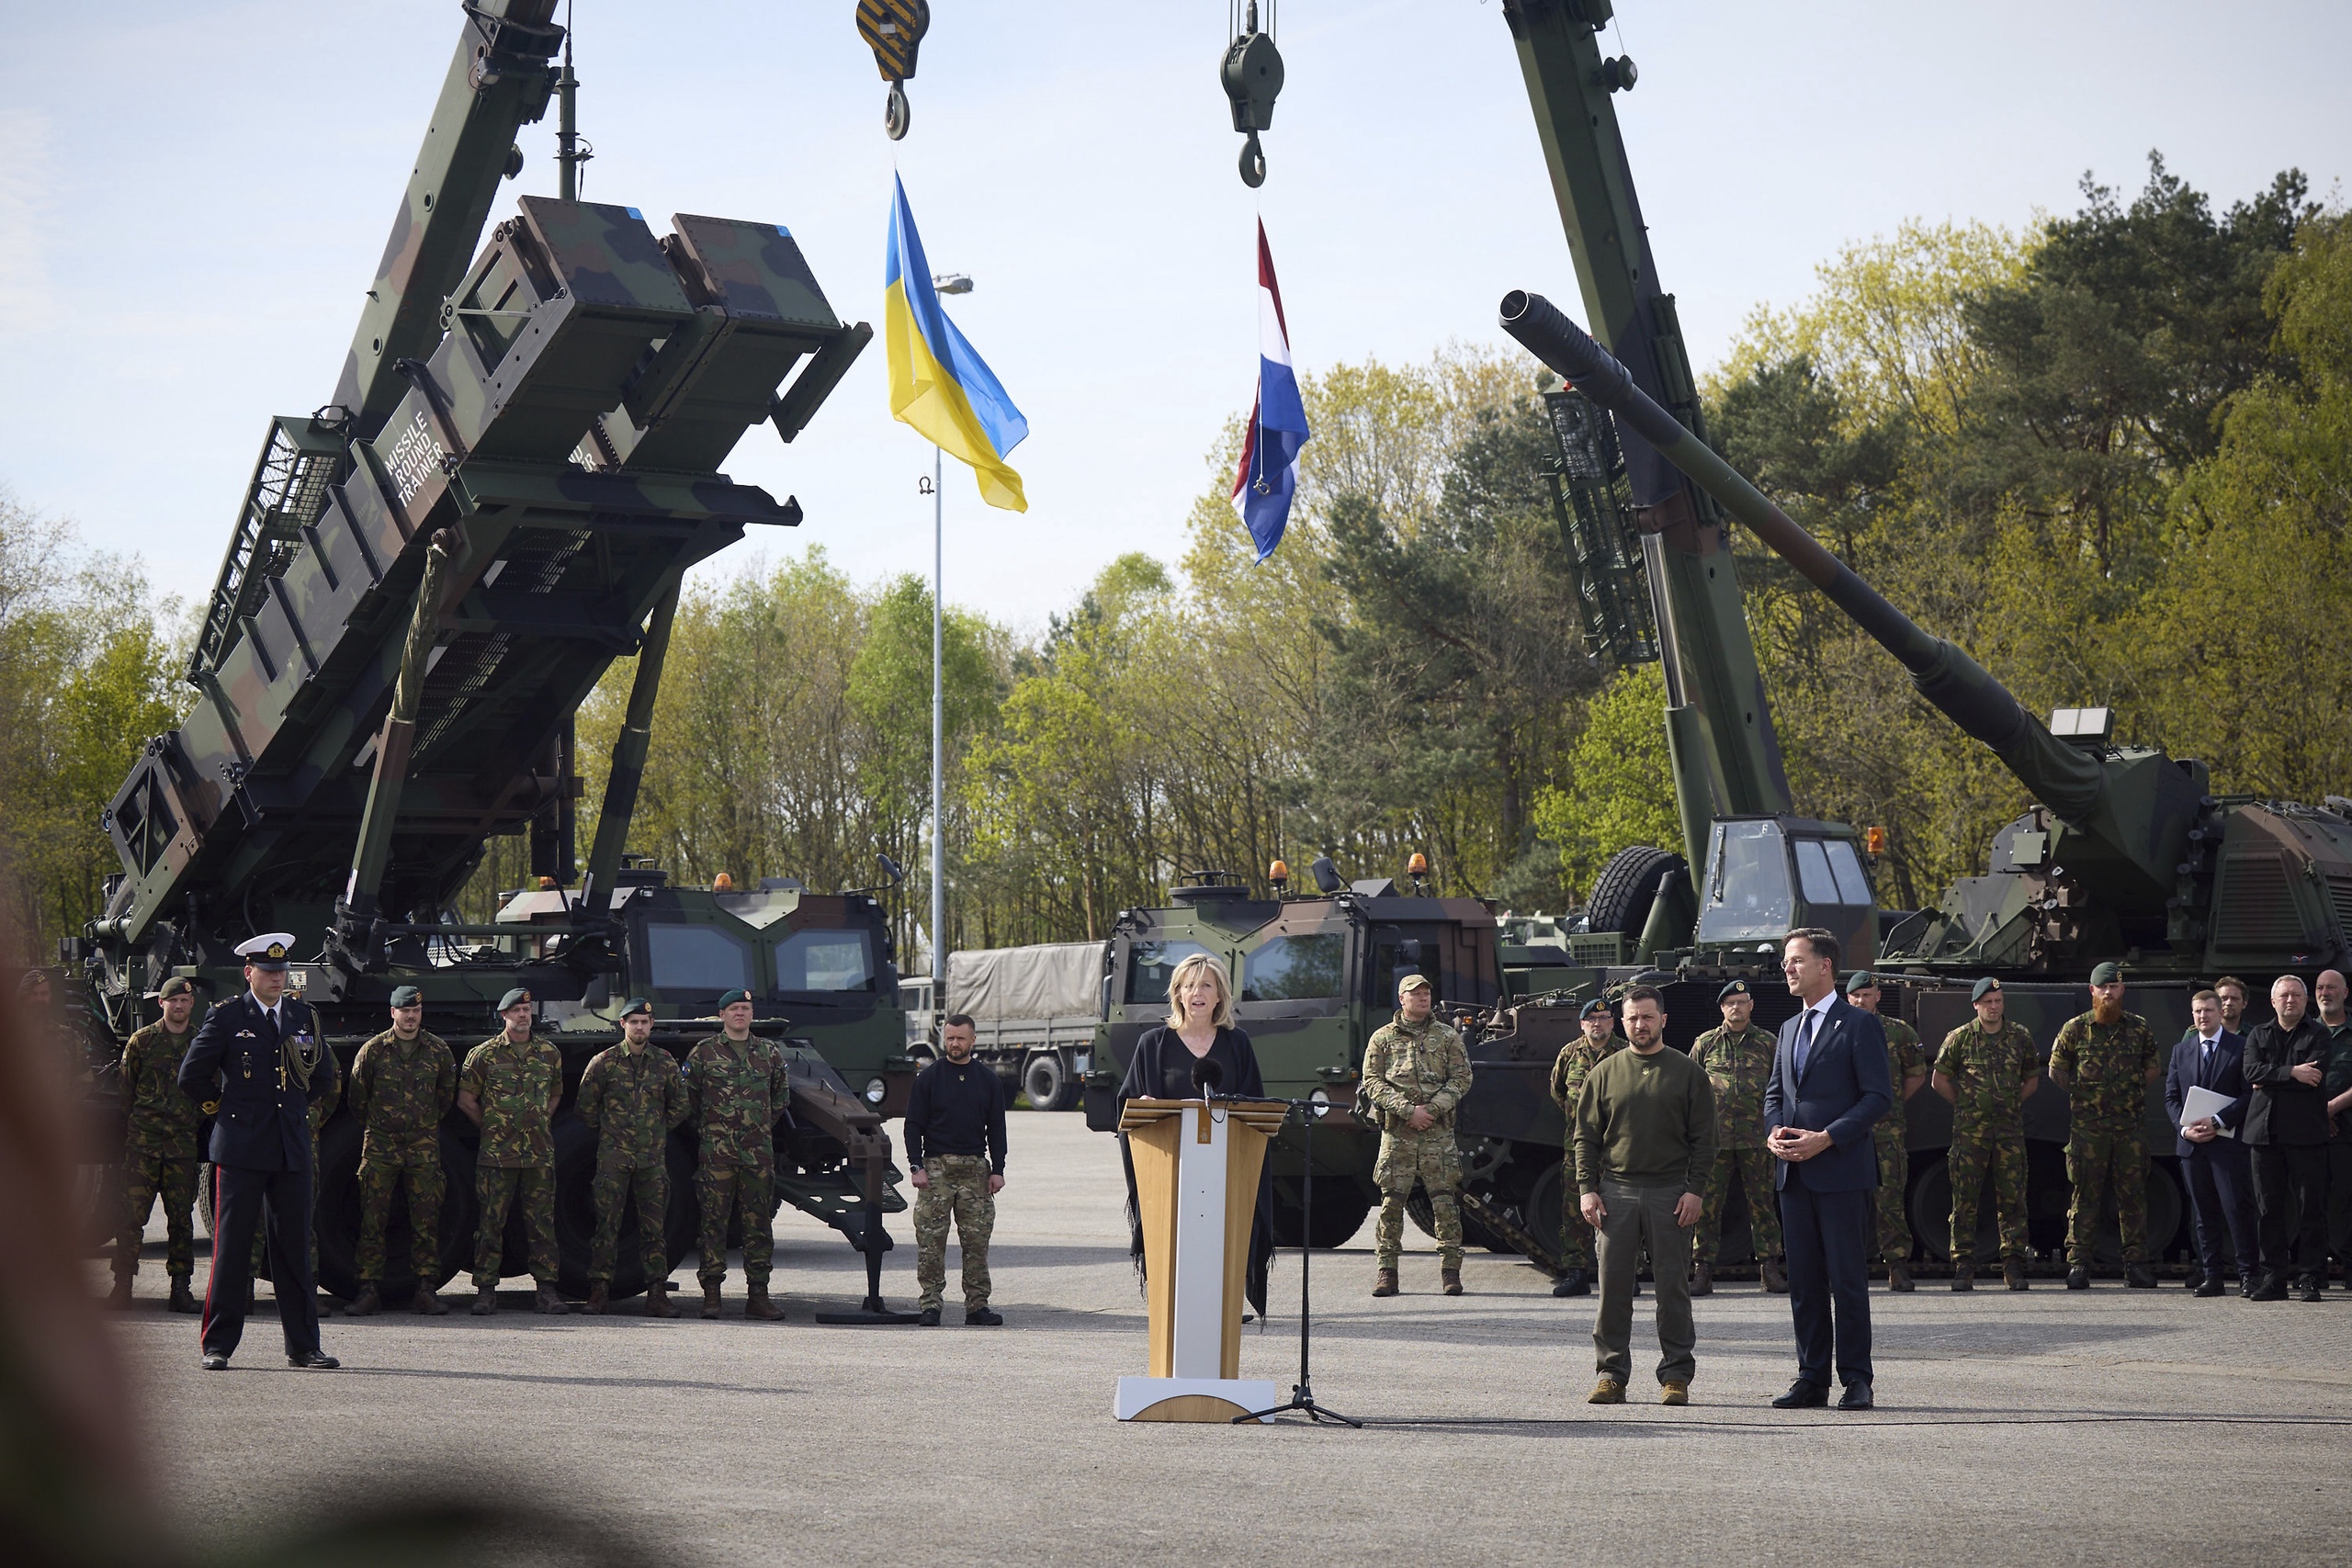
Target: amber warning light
(1875, 842)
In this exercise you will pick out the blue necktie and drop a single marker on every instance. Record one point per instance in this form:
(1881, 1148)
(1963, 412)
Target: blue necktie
(1804, 1038)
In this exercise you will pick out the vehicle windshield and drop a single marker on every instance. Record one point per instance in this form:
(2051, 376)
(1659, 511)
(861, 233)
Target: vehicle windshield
(1748, 896)
(1149, 966)
(1295, 969)
(824, 961)
(699, 959)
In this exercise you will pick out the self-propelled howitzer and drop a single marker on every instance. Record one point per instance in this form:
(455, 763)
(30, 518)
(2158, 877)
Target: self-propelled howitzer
(2126, 856)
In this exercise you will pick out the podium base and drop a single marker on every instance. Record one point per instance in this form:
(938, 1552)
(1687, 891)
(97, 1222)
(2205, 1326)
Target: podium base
(1191, 1399)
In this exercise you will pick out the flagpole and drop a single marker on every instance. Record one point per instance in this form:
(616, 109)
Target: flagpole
(938, 728)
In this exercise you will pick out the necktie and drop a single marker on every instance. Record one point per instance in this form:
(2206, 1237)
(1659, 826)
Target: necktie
(1804, 1038)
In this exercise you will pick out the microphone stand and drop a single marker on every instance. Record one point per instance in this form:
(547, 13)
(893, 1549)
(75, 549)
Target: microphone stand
(1302, 1392)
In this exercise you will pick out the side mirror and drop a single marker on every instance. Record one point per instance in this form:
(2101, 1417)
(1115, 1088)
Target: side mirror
(891, 868)
(1325, 874)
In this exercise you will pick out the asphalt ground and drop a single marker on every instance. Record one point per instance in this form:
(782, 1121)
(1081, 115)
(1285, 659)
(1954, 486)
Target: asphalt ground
(2042, 1427)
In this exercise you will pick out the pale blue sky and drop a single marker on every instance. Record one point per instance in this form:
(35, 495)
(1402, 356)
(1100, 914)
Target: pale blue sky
(193, 197)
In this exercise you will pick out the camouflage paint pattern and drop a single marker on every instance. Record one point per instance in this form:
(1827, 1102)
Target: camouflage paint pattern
(957, 1188)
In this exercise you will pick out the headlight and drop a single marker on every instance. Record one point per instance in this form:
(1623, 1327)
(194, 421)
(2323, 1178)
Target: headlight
(1321, 1100)
(876, 1092)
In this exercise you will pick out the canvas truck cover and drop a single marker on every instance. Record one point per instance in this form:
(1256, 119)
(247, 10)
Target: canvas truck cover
(1059, 979)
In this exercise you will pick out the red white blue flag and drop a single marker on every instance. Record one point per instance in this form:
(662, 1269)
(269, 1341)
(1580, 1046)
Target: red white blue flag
(1269, 473)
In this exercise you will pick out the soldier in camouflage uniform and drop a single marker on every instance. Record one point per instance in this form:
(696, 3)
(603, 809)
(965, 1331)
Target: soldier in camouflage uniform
(1738, 1062)
(737, 1087)
(630, 1096)
(2106, 1059)
(1574, 1063)
(159, 1153)
(1986, 1069)
(1415, 1073)
(510, 1085)
(402, 1083)
(1906, 1069)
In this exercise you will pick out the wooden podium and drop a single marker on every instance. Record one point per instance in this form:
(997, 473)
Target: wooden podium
(1198, 1164)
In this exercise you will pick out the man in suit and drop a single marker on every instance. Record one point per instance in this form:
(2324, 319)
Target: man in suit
(1829, 1085)
(2286, 1133)
(258, 1064)
(2212, 1159)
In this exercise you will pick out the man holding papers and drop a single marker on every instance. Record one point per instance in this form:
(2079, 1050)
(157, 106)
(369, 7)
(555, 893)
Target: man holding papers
(2205, 1094)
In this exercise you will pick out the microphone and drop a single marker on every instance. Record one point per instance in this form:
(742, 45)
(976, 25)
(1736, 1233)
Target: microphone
(1208, 1077)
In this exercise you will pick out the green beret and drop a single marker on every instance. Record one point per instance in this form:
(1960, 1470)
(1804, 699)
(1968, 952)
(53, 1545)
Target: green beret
(1983, 988)
(518, 997)
(407, 997)
(1595, 1006)
(177, 986)
(1863, 980)
(2106, 975)
(638, 1005)
(729, 998)
(1736, 989)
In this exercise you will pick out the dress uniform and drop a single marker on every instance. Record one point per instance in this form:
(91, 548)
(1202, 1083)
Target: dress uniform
(259, 1067)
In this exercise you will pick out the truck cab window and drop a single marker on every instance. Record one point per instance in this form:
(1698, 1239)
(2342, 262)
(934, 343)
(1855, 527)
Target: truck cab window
(701, 959)
(1748, 896)
(1295, 969)
(1149, 964)
(824, 961)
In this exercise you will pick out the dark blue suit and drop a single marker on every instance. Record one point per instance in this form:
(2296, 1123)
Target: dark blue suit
(2219, 1174)
(261, 1152)
(1825, 1211)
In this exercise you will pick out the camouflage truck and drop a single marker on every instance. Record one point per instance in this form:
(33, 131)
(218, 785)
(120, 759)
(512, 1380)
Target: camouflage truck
(427, 576)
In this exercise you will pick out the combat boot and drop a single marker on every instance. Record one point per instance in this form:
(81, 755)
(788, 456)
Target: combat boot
(1898, 1278)
(2079, 1278)
(710, 1297)
(1775, 1277)
(1702, 1279)
(118, 1299)
(2013, 1273)
(1448, 1281)
(2138, 1277)
(599, 1299)
(367, 1303)
(549, 1303)
(485, 1301)
(183, 1298)
(757, 1307)
(1574, 1282)
(657, 1300)
(1963, 1276)
(427, 1301)
(1386, 1284)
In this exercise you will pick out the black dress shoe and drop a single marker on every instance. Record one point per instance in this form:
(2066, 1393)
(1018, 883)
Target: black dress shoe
(2196, 1278)
(2213, 1287)
(1803, 1395)
(214, 1361)
(313, 1361)
(2273, 1288)
(1856, 1398)
(2311, 1289)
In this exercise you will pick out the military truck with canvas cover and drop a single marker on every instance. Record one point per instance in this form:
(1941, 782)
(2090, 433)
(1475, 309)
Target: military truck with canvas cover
(1034, 1009)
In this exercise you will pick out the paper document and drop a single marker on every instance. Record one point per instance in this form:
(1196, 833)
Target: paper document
(2203, 1103)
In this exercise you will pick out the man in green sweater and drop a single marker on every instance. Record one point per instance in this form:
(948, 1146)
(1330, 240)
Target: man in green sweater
(1645, 1140)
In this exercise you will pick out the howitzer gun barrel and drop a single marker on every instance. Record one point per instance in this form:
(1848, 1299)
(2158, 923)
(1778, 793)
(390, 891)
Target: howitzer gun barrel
(2068, 780)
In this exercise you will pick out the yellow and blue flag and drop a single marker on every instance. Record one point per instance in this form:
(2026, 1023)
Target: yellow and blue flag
(938, 383)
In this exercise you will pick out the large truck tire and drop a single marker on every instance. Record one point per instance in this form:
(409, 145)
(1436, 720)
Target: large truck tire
(1627, 885)
(336, 1218)
(1341, 1204)
(1047, 1080)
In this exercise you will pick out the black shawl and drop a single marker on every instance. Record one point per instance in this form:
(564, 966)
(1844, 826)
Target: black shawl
(1147, 1070)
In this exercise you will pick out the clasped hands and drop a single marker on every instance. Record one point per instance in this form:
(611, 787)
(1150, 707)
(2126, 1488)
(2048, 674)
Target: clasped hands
(1796, 1144)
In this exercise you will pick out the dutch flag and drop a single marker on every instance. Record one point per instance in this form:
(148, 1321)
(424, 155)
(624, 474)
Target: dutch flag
(1269, 472)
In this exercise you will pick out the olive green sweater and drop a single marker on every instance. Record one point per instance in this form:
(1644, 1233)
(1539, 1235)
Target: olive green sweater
(1646, 1122)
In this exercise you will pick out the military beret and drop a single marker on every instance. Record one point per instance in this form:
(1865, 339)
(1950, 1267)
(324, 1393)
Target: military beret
(2106, 975)
(1595, 1006)
(1983, 988)
(31, 980)
(179, 984)
(1736, 989)
(729, 998)
(1863, 980)
(518, 997)
(636, 1005)
(1413, 983)
(408, 997)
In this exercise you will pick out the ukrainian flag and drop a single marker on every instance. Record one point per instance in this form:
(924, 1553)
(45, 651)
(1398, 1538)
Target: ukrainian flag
(938, 383)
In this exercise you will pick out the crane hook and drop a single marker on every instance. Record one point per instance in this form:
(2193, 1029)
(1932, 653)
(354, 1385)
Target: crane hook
(1253, 162)
(1251, 75)
(896, 114)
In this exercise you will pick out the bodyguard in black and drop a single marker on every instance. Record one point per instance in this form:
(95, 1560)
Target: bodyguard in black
(956, 1108)
(2286, 1131)
(261, 1060)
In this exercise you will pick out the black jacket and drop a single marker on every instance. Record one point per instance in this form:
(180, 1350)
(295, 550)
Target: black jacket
(956, 1109)
(235, 1059)
(2284, 1111)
